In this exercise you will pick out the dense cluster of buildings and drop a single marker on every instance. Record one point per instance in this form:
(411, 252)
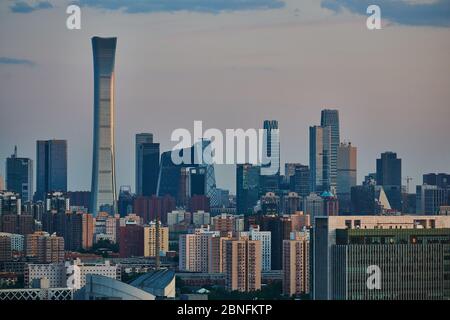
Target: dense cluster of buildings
(313, 228)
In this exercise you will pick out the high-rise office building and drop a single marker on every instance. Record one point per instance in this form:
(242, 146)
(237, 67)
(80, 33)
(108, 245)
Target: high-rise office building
(369, 199)
(346, 175)
(197, 182)
(140, 139)
(211, 189)
(72, 230)
(271, 148)
(125, 201)
(10, 203)
(289, 170)
(103, 189)
(247, 187)
(54, 217)
(19, 176)
(442, 180)
(57, 201)
(2, 183)
(389, 175)
(174, 178)
(280, 228)
(51, 167)
(296, 264)
(299, 182)
(330, 118)
(429, 199)
(319, 158)
(147, 164)
(242, 265)
(411, 254)
(269, 180)
(80, 199)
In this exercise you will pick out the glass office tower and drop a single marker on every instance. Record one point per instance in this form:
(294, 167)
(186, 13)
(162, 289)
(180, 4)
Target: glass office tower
(51, 167)
(247, 187)
(19, 176)
(141, 139)
(389, 175)
(319, 158)
(103, 189)
(330, 118)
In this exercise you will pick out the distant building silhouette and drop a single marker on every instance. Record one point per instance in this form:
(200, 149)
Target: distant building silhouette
(147, 164)
(389, 175)
(51, 167)
(19, 176)
(330, 118)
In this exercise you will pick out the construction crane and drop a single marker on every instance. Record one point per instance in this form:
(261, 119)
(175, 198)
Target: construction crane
(157, 243)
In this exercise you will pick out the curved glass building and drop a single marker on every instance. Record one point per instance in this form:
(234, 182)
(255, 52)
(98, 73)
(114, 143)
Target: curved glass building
(103, 188)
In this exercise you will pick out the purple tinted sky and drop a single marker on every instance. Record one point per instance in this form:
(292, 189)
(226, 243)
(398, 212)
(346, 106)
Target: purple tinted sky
(230, 69)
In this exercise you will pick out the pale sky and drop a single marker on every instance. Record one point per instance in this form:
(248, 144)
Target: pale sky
(231, 64)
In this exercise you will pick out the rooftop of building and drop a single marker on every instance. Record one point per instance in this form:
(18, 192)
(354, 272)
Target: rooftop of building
(154, 280)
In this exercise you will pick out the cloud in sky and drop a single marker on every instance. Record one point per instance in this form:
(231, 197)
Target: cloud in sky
(13, 61)
(25, 7)
(407, 12)
(212, 6)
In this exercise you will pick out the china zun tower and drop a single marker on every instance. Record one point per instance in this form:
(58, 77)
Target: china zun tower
(103, 188)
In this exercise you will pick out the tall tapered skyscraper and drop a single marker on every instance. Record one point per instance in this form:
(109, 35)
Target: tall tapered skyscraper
(103, 189)
(330, 118)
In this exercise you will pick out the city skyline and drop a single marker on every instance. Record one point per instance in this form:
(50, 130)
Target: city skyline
(234, 157)
(260, 68)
